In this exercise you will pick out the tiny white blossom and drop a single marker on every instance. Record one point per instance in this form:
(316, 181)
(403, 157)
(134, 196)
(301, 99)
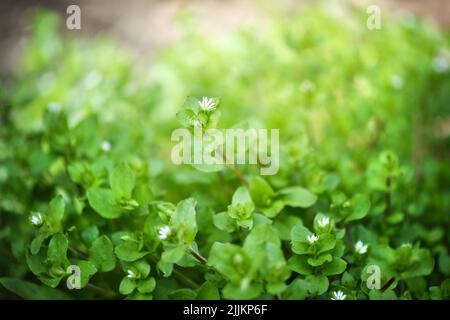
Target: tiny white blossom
(207, 104)
(312, 238)
(406, 245)
(36, 219)
(164, 232)
(54, 107)
(441, 64)
(360, 247)
(307, 86)
(106, 145)
(338, 295)
(323, 222)
(131, 274)
(397, 82)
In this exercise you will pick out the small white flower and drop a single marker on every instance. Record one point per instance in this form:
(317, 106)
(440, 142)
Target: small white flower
(54, 107)
(164, 232)
(441, 64)
(306, 86)
(338, 295)
(312, 238)
(207, 104)
(106, 145)
(360, 247)
(36, 219)
(323, 222)
(397, 82)
(131, 274)
(406, 245)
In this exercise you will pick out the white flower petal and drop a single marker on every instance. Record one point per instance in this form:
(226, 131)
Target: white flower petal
(312, 238)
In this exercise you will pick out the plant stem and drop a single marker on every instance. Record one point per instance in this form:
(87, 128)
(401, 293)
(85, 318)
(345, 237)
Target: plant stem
(78, 252)
(348, 236)
(198, 256)
(388, 196)
(181, 276)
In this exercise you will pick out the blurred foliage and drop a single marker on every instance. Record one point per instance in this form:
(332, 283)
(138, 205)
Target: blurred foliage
(86, 176)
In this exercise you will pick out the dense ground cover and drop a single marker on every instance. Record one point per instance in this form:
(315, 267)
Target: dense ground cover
(86, 177)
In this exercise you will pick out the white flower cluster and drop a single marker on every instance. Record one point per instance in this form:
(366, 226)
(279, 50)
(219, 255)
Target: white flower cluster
(36, 219)
(338, 295)
(106, 146)
(323, 222)
(312, 238)
(207, 104)
(164, 232)
(360, 247)
(131, 274)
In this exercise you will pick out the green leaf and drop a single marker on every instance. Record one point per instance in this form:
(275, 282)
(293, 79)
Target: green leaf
(208, 291)
(260, 191)
(56, 212)
(146, 286)
(143, 195)
(36, 244)
(101, 254)
(421, 263)
(274, 268)
(184, 117)
(259, 237)
(284, 225)
(143, 267)
(273, 209)
(184, 220)
(444, 264)
(57, 250)
(316, 285)
(182, 294)
(337, 266)
(90, 234)
(224, 222)
(127, 286)
(320, 259)
(298, 197)
(103, 202)
(122, 182)
(235, 292)
(31, 291)
(296, 290)
(192, 104)
(165, 267)
(241, 196)
(300, 265)
(173, 255)
(87, 270)
(129, 251)
(326, 243)
(229, 260)
(360, 205)
(300, 233)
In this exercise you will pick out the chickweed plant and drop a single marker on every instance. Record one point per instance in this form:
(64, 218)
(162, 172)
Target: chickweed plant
(357, 209)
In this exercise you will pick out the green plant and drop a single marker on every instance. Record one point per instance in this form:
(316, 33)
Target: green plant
(86, 177)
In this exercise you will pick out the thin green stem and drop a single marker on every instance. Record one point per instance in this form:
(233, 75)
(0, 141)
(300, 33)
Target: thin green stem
(198, 256)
